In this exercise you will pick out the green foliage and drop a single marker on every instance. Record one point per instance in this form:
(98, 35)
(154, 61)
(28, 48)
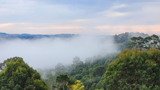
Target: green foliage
(122, 40)
(144, 43)
(90, 71)
(52, 74)
(77, 85)
(17, 75)
(138, 66)
(64, 82)
(133, 70)
(17, 87)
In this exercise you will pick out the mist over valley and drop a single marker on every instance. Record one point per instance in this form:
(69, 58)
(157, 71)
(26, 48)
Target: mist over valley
(47, 52)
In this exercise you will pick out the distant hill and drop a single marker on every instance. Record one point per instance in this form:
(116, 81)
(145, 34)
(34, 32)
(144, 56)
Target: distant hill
(120, 38)
(5, 36)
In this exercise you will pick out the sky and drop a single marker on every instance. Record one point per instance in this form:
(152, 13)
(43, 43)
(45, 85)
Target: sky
(79, 16)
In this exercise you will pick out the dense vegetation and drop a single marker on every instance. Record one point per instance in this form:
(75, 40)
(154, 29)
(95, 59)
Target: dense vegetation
(134, 70)
(17, 75)
(123, 40)
(136, 67)
(87, 72)
(95, 73)
(145, 42)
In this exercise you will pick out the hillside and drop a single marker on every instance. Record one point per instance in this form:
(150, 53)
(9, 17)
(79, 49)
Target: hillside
(119, 38)
(134, 68)
(96, 72)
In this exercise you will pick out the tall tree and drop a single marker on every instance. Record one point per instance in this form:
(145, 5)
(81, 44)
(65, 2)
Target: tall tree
(134, 70)
(18, 75)
(62, 81)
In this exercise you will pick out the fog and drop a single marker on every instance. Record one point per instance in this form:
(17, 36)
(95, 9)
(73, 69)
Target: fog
(46, 53)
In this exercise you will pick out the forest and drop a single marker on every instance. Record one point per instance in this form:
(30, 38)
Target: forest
(135, 66)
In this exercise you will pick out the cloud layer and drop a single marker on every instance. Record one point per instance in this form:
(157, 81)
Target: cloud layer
(57, 16)
(46, 53)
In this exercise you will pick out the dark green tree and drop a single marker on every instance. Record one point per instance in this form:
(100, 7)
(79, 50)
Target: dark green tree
(17, 75)
(144, 42)
(62, 81)
(134, 70)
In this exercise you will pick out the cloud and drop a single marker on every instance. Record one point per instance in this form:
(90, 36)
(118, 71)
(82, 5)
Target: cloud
(114, 12)
(5, 25)
(131, 13)
(148, 13)
(37, 16)
(41, 28)
(34, 11)
(9, 7)
(77, 27)
(118, 6)
(114, 29)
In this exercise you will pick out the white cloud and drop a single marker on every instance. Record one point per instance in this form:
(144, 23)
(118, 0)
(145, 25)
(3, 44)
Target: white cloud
(116, 14)
(114, 29)
(42, 28)
(32, 11)
(15, 7)
(51, 17)
(118, 6)
(114, 11)
(77, 27)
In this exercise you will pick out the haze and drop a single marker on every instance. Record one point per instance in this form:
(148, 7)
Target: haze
(46, 53)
